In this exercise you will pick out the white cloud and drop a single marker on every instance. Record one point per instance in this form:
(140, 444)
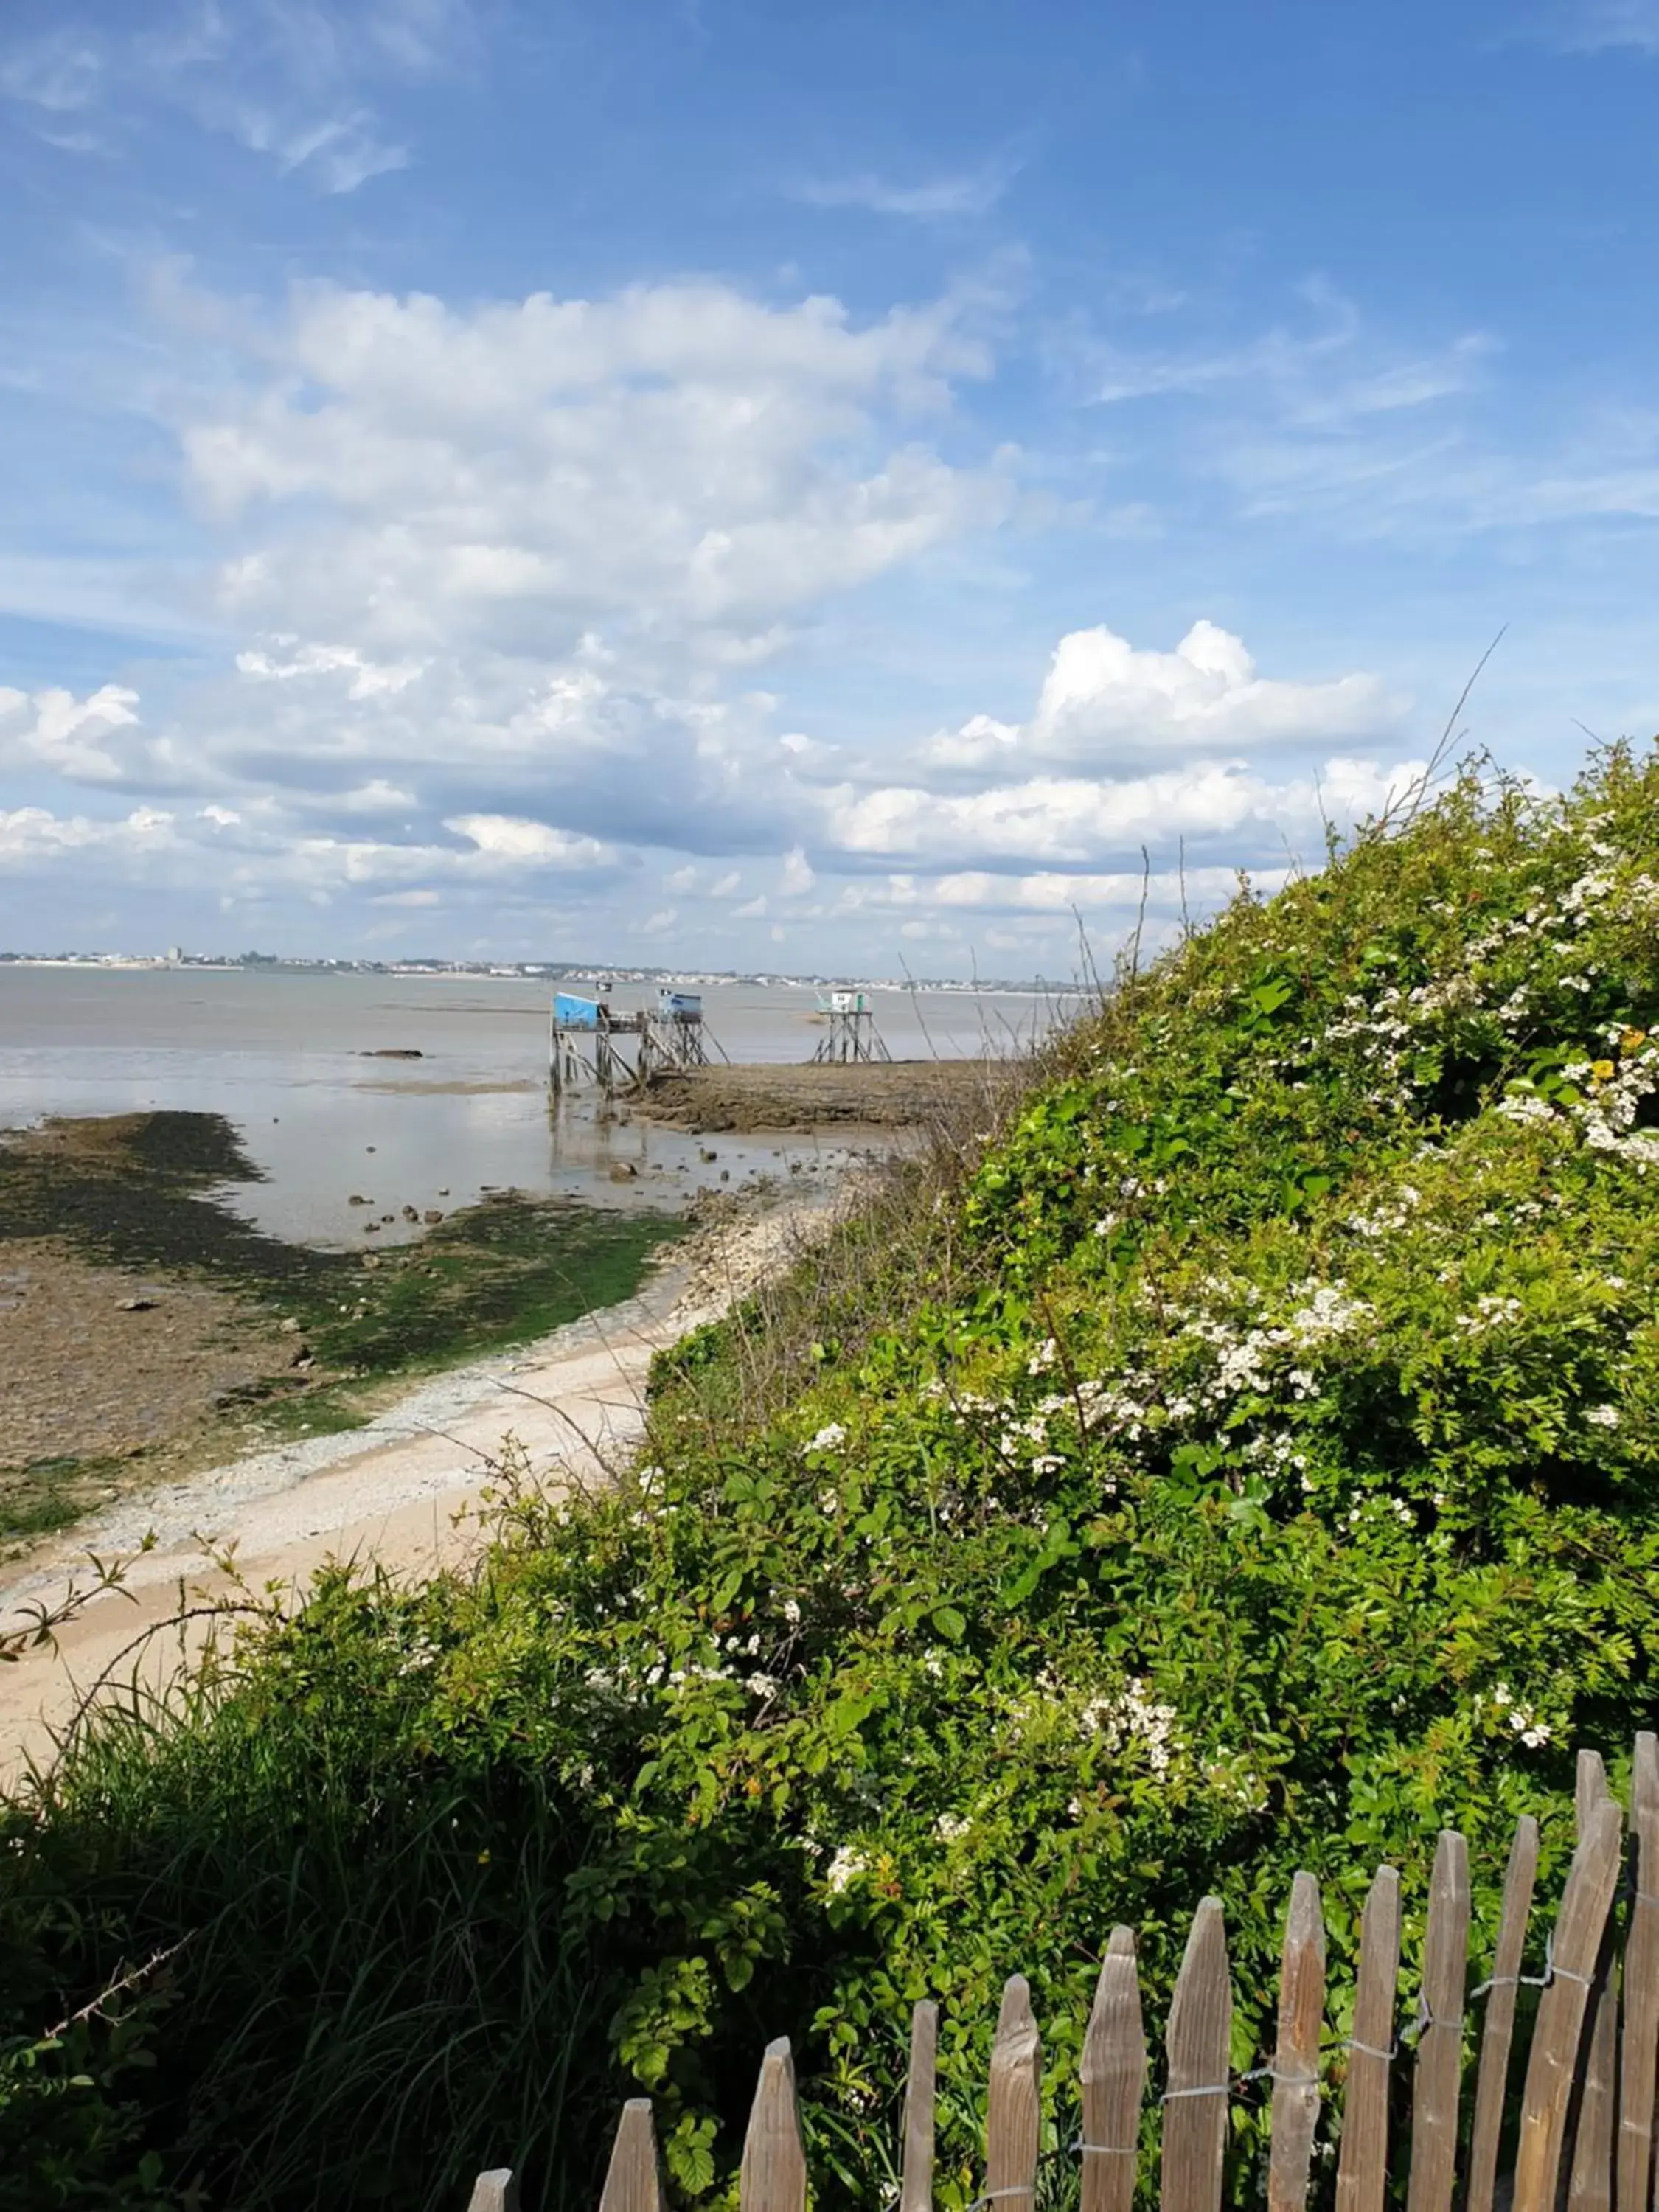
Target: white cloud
(516, 843)
(367, 678)
(1048, 892)
(1078, 823)
(796, 878)
(55, 731)
(679, 457)
(595, 797)
(1104, 704)
(30, 835)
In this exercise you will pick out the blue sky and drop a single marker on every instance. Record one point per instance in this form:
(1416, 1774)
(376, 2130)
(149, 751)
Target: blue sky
(796, 486)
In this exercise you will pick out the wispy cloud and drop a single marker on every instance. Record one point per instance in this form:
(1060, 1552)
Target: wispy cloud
(962, 192)
(1328, 372)
(292, 80)
(1593, 26)
(59, 73)
(339, 152)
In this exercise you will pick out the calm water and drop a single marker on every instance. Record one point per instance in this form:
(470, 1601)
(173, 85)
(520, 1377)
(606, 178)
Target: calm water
(282, 1057)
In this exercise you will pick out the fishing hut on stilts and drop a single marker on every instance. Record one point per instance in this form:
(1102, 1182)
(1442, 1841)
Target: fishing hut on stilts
(852, 1035)
(590, 1044)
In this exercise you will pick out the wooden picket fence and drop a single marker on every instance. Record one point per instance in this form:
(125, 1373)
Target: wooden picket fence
(1585, 2135)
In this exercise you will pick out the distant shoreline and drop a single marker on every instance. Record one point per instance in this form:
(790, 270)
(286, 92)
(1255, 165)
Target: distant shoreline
(534, 972)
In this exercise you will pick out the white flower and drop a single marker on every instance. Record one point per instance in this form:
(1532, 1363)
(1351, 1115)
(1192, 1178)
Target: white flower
(1329, 1312)
(1602, 1416)
(849, 1864)
(951, 1827)
(1532, 1731)
(1490, 1312)
(762, 1685)
(827, 1438)
(792, 1612)
(1133, 1717)
(1521, 1108)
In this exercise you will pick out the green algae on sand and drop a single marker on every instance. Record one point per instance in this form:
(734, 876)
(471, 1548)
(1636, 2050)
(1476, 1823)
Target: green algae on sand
(327, 1332)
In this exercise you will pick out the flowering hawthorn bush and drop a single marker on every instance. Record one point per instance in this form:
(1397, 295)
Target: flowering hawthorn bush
(1281, 1488)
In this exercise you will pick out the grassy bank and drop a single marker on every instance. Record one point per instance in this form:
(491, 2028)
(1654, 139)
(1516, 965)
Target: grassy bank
(274, 1338)
(1240, 1458)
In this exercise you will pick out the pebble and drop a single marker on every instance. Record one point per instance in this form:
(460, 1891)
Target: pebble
(290, 1325)
(135, 1305)
(433, 1216)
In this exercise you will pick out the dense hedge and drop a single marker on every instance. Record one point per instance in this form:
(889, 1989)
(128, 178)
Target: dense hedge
(1273, 1484)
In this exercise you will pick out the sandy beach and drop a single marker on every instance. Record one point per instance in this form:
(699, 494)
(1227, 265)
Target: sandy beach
(402, 1491)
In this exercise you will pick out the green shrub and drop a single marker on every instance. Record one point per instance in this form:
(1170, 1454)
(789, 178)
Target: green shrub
(1262, 1476)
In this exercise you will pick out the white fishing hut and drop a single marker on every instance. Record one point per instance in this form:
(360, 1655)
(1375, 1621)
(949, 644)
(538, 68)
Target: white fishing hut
(852, 1034)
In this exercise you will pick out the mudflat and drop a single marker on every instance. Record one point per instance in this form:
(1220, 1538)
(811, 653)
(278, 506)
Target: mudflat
(148, 1329)
(873, 1094)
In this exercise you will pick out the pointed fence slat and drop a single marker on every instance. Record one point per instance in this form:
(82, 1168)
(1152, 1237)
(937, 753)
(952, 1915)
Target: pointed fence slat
(916, 2188)
(496, 2192)
(1550, 2067)
(1362, 2169)
(1639, 2056)
(1589, 1787)
(1114, 2081)
(772, 2175)
(1199, 2044)
(1013, 2114)
(1499, 2033)
(1295, 2055)
(1589, 2185)
(1440, 2047)
(634, 2182)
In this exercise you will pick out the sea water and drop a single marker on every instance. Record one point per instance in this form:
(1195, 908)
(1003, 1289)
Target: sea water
(286, 1056)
